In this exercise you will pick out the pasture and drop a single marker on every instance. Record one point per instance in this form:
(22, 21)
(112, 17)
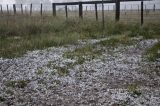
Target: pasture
(70, 60)
(22, 32)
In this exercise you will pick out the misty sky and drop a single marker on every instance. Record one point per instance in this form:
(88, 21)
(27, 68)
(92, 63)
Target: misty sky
(149, 3)
(43, 1)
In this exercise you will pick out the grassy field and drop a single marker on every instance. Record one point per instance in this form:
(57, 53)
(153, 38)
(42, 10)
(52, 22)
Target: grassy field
(86, 64)
(18, 34)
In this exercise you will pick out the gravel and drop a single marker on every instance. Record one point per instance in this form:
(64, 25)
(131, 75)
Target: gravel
(103, 81)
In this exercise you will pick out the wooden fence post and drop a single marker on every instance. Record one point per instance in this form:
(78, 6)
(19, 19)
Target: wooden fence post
(41, 11)
(72, 8)
(31, 9)
(80, 10)
(54, 9)
(125, 9)
(1, 9)
(14, 9)
(103, 25)
(141, 12)
(96, 12)
(22, 9)
(117, 17)
(26, 10)
(66, 10)
(108, 7)
(154, 7)
(113, 7)
(7, 10)
(86, 9)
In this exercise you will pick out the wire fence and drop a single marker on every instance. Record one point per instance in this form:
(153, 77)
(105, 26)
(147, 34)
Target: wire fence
(129, 12)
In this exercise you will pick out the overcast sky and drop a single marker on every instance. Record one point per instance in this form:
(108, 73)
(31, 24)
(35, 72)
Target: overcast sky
(149, 3)
(38, 1)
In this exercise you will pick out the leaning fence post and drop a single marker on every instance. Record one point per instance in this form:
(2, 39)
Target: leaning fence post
(96, 11)
(66, 10)
(41, 9)
(30, 9)
(54, 9)
(14, 9)
(117, 10)
(141, 12)
(80, 10)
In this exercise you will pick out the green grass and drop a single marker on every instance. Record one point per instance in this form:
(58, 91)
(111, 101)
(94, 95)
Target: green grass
(61, 71)
(153, 53)
(16, 84)
(115, 41)
(39, 72)
(90, 52)
(21, 34)
(2, 99)
(133, 88)
(148, 31)
(86, 53)
(57, 82)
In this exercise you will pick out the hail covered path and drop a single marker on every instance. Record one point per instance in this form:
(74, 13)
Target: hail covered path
(102, 81)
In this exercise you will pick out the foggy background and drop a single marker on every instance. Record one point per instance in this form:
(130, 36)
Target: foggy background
(50, 1)
(47, 4)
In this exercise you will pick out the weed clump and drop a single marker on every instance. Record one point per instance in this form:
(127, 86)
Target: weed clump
(133, 88)
(153, 53)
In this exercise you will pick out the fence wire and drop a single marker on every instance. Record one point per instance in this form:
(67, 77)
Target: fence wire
(129, 12)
